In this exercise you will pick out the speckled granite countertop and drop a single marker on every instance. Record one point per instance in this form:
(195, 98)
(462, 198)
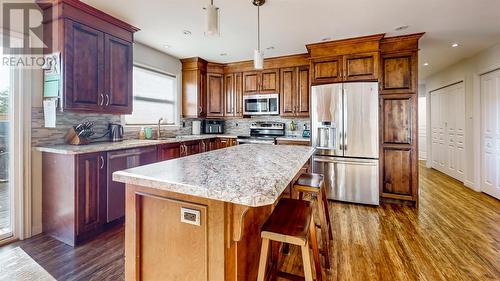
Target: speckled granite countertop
(126, 144)
(253, 174)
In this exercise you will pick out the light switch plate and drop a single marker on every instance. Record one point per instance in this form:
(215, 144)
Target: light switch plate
(190, 216)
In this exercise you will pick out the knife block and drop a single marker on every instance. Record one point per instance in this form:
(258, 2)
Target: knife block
(72, 137)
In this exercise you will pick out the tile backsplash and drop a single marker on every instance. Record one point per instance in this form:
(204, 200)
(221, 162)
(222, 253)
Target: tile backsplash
(41, 136)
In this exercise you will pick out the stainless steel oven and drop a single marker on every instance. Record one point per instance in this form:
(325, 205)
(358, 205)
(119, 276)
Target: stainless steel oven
(261, 104)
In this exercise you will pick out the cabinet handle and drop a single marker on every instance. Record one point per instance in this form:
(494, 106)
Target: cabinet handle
(107, 99)
(102, 162)
(199, 109)
(102, 100)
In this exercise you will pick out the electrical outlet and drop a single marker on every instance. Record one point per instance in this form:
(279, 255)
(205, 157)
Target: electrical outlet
(190, 216)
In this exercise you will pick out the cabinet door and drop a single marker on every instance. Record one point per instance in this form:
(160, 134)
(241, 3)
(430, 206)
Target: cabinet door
(250, 82)
(399, 72)
(398, 114)
(303, 92)
(191, 147)
(229, 97)
(215, 94)
(83, 68)
(326, 70)
(398, 174)
(288, 93)
(202, 94)
(118, 75)
(238, 94)
(361, 67)
(90, 192)
(169, 151)
(269, 81)
(223, 142)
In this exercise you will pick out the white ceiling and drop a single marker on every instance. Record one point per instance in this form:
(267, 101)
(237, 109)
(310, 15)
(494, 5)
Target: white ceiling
(290, 24)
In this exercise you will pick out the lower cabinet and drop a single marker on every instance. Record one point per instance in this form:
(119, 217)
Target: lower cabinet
(293, 142)
(79, 196)
(398, 176)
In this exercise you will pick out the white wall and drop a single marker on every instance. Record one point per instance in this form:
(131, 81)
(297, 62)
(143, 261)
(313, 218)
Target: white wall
(469, 71)
(422, 123)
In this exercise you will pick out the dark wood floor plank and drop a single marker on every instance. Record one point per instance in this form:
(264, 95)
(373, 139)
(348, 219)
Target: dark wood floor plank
(453, 235)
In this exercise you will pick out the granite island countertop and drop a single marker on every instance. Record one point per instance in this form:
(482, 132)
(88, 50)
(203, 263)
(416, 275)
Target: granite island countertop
(125, 144)
(252, 175)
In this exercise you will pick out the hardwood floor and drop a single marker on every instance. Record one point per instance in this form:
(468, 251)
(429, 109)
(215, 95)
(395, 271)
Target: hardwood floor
(453, 235)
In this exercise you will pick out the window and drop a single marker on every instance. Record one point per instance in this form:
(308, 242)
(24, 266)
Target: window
(155, 97)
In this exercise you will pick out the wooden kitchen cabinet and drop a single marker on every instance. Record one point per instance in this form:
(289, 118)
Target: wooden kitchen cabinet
(96, 57)
(233, 95)
(261, 82)
(399, 72)
(215, 95)
(90, 194)
(295, 91)
(225, 142)
(169, 151)
(326, 70)
(190, 148)
(194, 88)
(346, 68)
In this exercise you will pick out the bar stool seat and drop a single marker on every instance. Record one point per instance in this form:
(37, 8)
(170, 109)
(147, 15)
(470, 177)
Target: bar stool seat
(291, 222)
(314, 184)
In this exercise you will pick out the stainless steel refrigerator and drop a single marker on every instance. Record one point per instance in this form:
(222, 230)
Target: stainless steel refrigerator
(344, 120)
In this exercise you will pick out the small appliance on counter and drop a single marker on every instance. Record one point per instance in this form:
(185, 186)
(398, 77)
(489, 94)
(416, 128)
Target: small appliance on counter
(115, 132)
(196, 127)
(213, 126)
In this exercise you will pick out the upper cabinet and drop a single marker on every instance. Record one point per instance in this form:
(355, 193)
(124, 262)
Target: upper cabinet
(294, 94)
(194, 88)
(96, 52)
(261, 82)
(346, 60)
(399, 71)
(233, 95)
(215, 90)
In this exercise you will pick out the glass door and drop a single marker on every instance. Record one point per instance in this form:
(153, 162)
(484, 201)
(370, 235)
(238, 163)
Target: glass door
(6, 190)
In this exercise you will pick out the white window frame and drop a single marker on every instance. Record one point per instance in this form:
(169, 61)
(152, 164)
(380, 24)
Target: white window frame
(177, 102)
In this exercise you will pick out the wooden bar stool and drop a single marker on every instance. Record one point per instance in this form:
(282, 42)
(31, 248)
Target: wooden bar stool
(291, 222)
(315, 185)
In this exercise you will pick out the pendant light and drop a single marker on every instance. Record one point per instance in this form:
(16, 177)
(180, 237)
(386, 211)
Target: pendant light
(258, 56)
(211, 20)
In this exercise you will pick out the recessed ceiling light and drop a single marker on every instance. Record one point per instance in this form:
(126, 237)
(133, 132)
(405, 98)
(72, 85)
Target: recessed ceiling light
(166, 46)
(454, 45)
(270, 48)
(326, 39)
(402, 27)
(223, 54)
(186, 32)
(426, 63)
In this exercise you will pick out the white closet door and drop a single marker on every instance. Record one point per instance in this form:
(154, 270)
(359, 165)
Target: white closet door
(448, 130)
(490, 108)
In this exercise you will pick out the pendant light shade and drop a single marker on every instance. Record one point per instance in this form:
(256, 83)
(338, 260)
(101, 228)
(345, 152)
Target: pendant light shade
(258, 59)
(258, 56)
(212, 20)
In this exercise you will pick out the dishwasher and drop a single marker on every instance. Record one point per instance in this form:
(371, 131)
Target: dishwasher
(122, 160)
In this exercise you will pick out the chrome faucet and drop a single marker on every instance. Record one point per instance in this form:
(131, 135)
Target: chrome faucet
(158, 135)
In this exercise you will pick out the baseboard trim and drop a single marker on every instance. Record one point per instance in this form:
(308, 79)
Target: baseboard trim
(471, 185)
(36, 229)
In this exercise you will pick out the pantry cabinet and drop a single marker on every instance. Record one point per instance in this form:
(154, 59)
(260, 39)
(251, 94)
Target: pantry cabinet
(96, 57)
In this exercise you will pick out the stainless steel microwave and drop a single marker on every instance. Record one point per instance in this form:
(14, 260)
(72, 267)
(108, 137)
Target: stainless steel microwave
(261, 104)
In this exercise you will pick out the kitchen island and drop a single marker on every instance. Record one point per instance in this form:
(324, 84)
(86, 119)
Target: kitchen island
(199, 217)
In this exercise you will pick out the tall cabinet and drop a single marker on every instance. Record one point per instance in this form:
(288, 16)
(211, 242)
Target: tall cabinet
(398, 117)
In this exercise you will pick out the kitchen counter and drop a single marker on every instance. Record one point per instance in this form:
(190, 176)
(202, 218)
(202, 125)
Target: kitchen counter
(126, 144)
(251, 175)
(200, 216)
